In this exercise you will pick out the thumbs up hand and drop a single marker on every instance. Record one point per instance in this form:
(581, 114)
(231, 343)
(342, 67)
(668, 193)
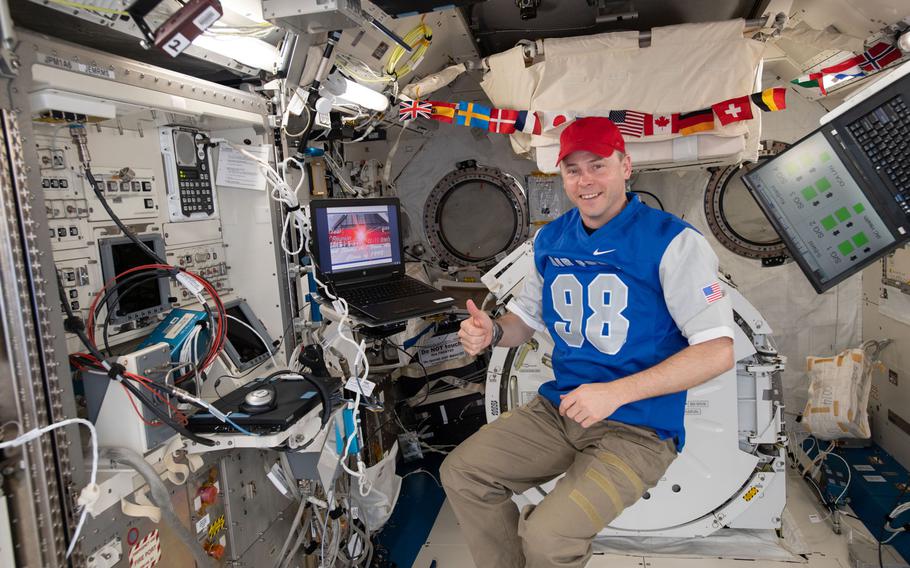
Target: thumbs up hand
(477, 331)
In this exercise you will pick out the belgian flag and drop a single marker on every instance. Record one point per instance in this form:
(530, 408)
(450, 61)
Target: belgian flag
(771, 99)
(687, 123)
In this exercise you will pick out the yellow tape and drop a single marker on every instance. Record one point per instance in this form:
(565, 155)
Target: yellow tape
(612, 459)
(588, 508)
(607, 486)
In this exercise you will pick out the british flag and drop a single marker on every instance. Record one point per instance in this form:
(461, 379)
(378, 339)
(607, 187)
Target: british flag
(879, 56)
(629, 122)
(713, 292)
(409, 110)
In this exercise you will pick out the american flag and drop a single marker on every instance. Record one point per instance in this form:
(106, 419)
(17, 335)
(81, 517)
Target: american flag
(713, 292)
(629, 122)
(409, 110)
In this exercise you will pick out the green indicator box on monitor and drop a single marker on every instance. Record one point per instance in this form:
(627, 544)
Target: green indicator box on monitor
(860, 239)
(845, 248)
(858, 208)
(825, 156)
(809, 193)
(842, 214)
(823, 185)
(828, 223)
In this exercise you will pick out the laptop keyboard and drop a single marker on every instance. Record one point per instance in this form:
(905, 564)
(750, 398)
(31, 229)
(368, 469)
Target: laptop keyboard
(398, 289)
(884, 135)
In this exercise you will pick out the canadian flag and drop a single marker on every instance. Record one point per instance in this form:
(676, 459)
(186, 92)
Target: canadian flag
(660, 125)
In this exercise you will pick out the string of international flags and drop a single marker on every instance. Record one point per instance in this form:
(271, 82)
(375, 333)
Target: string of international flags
(873, 59)
(631, 123)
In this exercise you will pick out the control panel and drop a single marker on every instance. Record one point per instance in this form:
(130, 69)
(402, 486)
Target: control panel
(191, 189)
(129, 171)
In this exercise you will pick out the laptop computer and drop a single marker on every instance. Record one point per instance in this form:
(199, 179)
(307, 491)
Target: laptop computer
(359, 255)
(261, 406)
(840, 196)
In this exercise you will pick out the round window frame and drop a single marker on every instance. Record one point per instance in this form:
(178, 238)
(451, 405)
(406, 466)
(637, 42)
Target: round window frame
(464, 174)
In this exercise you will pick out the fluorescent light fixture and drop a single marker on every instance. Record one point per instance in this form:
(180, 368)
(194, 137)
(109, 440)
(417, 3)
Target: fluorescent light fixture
(342, 90)
(247, 50)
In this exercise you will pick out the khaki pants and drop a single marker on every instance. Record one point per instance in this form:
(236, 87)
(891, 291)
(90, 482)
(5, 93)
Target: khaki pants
(608, 467)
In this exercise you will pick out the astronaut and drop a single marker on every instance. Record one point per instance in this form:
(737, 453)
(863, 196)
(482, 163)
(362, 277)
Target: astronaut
(631, 298)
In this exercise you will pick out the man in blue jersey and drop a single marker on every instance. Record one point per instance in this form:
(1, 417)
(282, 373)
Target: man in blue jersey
(631, 298)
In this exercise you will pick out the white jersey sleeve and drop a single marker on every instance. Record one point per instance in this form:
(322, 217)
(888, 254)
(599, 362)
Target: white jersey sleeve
(688, 275)
(528, 304)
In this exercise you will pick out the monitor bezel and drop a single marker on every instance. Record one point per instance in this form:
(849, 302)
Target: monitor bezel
(105, 254)
(354, 275)
(861, 182)
(253, 322)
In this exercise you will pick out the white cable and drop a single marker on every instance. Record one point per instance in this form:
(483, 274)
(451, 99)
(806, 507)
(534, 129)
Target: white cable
(268, 348)
(849, 478)
(90, 493)
(282, 191)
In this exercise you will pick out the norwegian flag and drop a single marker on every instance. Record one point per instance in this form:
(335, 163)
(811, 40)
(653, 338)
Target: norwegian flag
(713, 292)
(630, 122)
(879, 56)
(409, 110)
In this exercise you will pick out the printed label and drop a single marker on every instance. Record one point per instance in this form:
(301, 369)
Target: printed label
(363, 386)
(84, 68)
(440, 349)
(203, 523)
(175, 328)
(147, 552)
(874, 478)
(176, 45)
(863, 467)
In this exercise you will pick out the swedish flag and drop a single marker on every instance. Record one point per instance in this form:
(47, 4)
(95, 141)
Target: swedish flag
(472, 114)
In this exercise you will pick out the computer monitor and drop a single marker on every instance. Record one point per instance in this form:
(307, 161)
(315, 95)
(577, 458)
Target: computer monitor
(243, 347)
(139, 300)
(824, 211)
(356, 236)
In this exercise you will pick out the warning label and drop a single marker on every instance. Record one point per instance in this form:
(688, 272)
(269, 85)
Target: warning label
(440, 349)
(147, 552)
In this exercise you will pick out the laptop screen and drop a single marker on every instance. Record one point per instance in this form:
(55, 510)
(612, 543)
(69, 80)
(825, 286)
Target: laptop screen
(357, 237)
(819, 209)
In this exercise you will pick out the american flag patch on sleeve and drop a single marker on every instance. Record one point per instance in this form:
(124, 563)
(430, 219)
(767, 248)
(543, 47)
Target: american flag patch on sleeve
(712, 293)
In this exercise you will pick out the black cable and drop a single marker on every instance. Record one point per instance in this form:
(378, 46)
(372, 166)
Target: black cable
(126, 231)
(649, 194)
(76, 325)
(426, 376)
(112, 306)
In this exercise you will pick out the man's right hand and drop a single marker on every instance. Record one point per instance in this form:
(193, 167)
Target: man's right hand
(477, 331)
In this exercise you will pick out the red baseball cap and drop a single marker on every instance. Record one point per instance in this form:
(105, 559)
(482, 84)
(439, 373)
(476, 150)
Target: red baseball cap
(595, 134)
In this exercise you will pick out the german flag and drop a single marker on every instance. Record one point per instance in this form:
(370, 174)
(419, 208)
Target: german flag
(771, 99)
(443, 112)
(687, 123)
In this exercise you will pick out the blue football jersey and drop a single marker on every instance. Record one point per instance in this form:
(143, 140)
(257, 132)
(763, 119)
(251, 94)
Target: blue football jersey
(622, 299)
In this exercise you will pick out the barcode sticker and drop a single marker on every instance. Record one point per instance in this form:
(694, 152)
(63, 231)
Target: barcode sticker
(208, 17)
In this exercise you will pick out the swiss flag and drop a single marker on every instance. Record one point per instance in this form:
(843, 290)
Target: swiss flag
(733, 110)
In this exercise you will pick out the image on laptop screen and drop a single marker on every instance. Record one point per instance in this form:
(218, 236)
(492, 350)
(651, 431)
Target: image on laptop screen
(357, 237)
(820, 211)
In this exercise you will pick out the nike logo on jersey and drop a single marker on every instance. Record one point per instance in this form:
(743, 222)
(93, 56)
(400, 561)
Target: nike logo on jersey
(598, 252)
